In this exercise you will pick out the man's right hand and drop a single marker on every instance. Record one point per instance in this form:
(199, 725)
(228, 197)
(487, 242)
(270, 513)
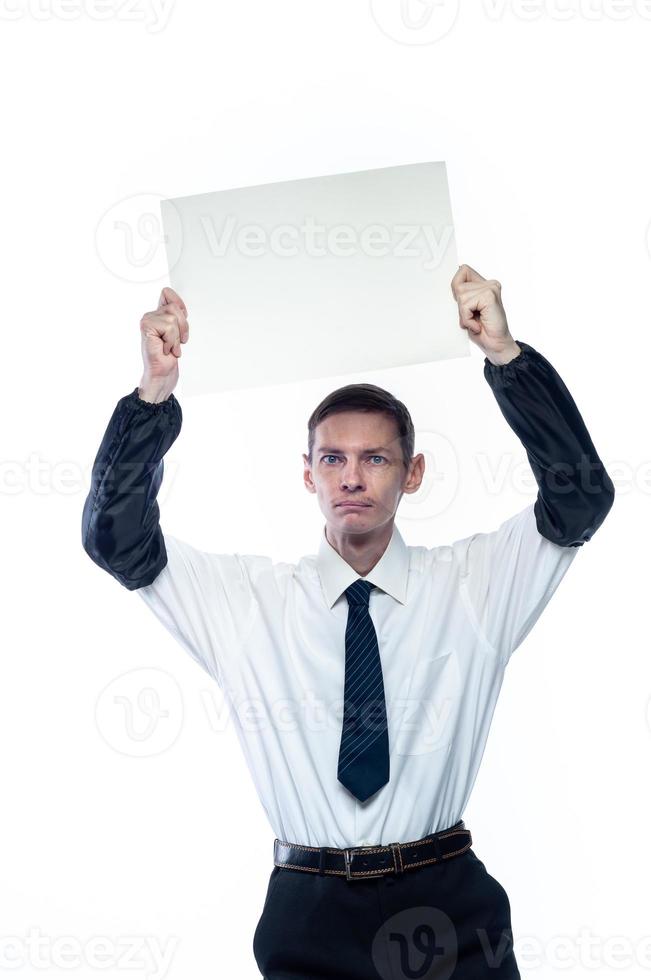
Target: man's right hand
(162, 332)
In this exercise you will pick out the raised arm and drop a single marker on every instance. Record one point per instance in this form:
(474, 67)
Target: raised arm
(120, 521)
(508, 575)
(575, 492)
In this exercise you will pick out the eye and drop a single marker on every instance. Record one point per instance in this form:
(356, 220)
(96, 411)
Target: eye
(328, 456)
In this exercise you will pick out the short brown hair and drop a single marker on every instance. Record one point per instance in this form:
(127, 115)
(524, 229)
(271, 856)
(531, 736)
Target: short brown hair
(365, 398)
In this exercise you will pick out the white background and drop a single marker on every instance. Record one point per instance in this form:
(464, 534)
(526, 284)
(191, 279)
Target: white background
(541, 112)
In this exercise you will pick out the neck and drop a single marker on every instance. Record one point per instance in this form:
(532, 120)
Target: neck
(361, 551)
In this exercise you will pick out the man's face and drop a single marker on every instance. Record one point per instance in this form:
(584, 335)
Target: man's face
(357, 459)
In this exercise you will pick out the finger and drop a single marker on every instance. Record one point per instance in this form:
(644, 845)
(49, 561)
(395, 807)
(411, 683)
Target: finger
(475, 303)
(166, 327)
(467, 308)
(469, 322)
(482, 284)
(166, 322)
(466, 289)
(169, 295)
(185, 326)
(170, 337)
(179, 313)
(465, 273)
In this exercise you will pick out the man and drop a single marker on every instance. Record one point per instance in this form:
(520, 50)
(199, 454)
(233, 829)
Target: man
(387, 660)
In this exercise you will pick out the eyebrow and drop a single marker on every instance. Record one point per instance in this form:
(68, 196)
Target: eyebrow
(375, 449)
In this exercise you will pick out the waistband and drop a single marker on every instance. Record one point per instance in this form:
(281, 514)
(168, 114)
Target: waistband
(370, 862)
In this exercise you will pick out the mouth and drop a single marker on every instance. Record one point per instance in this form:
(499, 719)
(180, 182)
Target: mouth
(353, 506)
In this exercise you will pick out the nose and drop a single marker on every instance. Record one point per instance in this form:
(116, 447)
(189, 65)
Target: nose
(351, 478)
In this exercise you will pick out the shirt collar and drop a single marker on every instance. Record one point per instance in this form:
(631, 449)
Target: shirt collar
(389, 573)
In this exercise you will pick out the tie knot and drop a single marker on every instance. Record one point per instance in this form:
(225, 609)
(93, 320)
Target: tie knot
(358, 593)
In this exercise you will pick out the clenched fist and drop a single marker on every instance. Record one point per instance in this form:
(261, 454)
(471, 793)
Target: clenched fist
(481, 313)
(162, 332)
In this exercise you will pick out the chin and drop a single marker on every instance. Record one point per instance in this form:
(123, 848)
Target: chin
(351, 517)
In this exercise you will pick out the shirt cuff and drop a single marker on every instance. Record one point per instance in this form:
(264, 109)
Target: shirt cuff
(500, 375)
(151, 407)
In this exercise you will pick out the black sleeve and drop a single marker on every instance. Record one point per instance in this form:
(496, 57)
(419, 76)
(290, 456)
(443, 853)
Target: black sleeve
(120, 527)
(574, 490)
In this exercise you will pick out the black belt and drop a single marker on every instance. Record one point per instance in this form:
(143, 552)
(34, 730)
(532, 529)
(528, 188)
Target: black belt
(369, 862)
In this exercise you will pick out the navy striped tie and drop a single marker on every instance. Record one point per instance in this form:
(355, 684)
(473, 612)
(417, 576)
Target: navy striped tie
(364, 750)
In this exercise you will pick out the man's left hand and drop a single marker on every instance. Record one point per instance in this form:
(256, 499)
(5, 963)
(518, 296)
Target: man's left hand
(481, 313)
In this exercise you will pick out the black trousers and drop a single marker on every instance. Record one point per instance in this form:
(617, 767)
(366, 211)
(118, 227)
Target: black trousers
(444, 921)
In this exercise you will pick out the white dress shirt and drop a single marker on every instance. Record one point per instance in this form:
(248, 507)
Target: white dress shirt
(272, 635)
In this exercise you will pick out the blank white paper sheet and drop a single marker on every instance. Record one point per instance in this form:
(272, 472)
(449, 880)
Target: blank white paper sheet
(322, 276)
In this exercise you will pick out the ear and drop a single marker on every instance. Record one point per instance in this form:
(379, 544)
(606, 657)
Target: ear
(307, 476)
(416, 473)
